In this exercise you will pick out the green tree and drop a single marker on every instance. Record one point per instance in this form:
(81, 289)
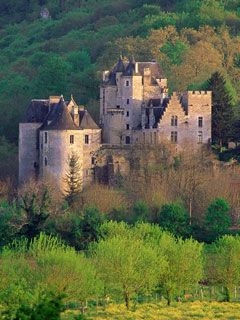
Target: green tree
(9, 213)
(223, 264)
(73, 180)
(49, 306)
(36, 210)
(217, 219)
(127, 266)
(31, 268)
(174, 218)
(90, 224)
(185, 266)
(141, 210)
(222, 112)
(52, 77)
(174, 51)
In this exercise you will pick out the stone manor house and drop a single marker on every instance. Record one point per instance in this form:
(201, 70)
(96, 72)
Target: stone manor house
(135, 108)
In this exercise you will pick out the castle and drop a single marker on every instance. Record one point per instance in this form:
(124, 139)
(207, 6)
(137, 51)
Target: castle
(135, 108)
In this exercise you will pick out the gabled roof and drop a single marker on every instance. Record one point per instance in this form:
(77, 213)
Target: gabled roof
(86, 121)
(62, 119)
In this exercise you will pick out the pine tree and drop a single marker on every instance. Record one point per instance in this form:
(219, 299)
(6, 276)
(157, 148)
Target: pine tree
(222, 112)
(73, 179)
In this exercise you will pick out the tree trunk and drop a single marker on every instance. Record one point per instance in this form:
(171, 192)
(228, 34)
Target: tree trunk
(169, 300)
(127, 300)
(228, 294)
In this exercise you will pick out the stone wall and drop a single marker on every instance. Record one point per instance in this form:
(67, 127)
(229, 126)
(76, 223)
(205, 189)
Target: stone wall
(199, 105)
(89, 153)
(174, 109)
(56, 153)
(28, 151)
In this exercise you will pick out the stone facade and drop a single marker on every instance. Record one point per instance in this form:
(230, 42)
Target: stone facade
(135, 109)
(46, 147)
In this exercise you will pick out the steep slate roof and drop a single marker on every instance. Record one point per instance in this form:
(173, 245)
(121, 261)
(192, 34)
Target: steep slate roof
(57, 116)
(120, 66)
(156, 70)
(86, 121)
(128, 69)
(62, 119)
(36, 111)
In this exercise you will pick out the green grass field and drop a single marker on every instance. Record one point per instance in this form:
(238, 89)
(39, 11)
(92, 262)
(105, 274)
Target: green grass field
(178, 311)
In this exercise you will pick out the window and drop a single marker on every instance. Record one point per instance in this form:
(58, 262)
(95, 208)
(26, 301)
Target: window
(127, 126)
(86, 139)
(127, 101)
(200, 122)
(93, 160)
(45, 161)
(118, 107)
(127, 83)
(127, 113)
(45, 137)
(200, 137)
(71, 139)
(174, 121)
(128, 140)
(174, 136)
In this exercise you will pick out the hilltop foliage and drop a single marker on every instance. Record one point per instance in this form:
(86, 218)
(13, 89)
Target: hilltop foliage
(65, 54)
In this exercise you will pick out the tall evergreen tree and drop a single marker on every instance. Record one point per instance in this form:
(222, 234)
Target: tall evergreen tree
(222, 112)
(73, 179)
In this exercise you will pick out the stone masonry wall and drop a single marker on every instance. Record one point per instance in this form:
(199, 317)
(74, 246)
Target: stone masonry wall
(57, 152)
(28, 152)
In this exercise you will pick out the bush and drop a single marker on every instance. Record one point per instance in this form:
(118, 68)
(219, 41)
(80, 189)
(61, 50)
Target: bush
(173, 217)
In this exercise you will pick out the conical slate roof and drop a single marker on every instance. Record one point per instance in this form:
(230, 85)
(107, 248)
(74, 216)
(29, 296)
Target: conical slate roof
(130, 70)
(119, 67)
(62, 119)
(87, 121)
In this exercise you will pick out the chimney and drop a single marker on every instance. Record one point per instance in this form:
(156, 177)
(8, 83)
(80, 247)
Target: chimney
(105, 75)
(136, 67)
(151, 117)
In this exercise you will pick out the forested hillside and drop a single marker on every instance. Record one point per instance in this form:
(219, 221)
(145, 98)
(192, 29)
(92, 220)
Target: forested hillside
(66, 53)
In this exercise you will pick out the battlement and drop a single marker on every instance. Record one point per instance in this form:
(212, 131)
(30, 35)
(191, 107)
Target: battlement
(199, 93)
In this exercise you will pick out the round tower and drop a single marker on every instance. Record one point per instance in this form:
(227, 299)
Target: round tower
(60, 139)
